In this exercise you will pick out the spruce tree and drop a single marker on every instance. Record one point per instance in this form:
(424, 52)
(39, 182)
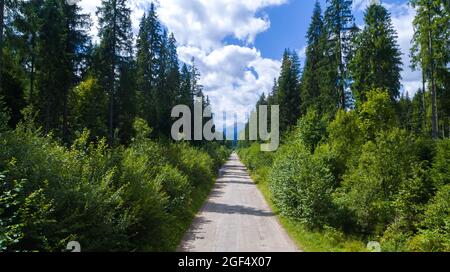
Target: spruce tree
(288, 91)
(185, 91)
(377, 59)
(2, 26)
(51, 65)
(115, 46)
(310, 91)
(339, 26)
(148, 65)
(27, 24)
(76, 40)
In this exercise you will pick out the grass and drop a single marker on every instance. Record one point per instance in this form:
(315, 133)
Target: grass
(307, 240)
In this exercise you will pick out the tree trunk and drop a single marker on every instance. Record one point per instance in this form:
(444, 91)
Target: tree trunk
(434, 122)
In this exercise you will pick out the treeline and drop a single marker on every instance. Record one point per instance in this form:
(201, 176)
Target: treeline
(85, 151)
(50, 63)
(357, 157)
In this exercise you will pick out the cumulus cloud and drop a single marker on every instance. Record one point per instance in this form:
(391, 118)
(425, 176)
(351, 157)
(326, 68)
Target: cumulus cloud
(206, 23)
(233, 76)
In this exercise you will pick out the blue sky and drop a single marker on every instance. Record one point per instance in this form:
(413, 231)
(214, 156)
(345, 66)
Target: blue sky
(238, 44)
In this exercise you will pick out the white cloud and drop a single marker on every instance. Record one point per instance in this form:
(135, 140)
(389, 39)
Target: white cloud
(205, 23)
(233, 76)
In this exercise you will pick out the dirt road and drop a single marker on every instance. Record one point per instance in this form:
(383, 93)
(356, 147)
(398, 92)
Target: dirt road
(236, 218)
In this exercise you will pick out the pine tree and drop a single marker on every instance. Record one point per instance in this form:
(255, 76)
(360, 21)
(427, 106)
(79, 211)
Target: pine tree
(185, 91)
(196, 88)
(12, 85)
(116, 38)
(288, 91)
(163, 93)
(377, 59)
(339, 26)
(310, 91)
(430, 48)
(148, 66)
(173, 81)
(27, 24)
(50, 65)
(76, 52)
(126, 109)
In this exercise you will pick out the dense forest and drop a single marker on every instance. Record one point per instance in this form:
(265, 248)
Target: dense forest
(359, 158)
(85, 148)
(86, 153)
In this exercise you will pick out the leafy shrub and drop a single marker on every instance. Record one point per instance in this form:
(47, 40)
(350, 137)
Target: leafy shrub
(254, 158)
(218, 153)
(434, 232)
(441, 163)
(311, 129)
(302, 185)
(108, 199)
(344, 142)
(369, 189)
(90, 103)
(10, 227)
(197, 165)
(377, 114)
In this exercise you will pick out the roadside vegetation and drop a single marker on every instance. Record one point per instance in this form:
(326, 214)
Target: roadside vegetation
(364, 180)
(361, 161)
(137, 198)
(85, 131)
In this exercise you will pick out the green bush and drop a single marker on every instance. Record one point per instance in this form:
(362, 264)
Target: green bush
(311, 129)
(218, 153)
(196, 164)
(302, 185)
(441, 163)
(434, 232)
(344, 143)
(108, 199)
(254, 158)
(377, 114)
(369, 189)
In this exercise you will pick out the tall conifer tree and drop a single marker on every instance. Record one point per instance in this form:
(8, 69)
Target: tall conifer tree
(377, 60)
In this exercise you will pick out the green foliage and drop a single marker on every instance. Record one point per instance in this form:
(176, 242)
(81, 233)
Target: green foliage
(90, 105)
(311, 129)
(377, 59)
(121, 199)
(345, 142)
(4, 115)
(10, 228)
(369, 189)
(302, 185)
(441, 163)
(434, 233)
(377, 114)
(199, 170)
(288, 90)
